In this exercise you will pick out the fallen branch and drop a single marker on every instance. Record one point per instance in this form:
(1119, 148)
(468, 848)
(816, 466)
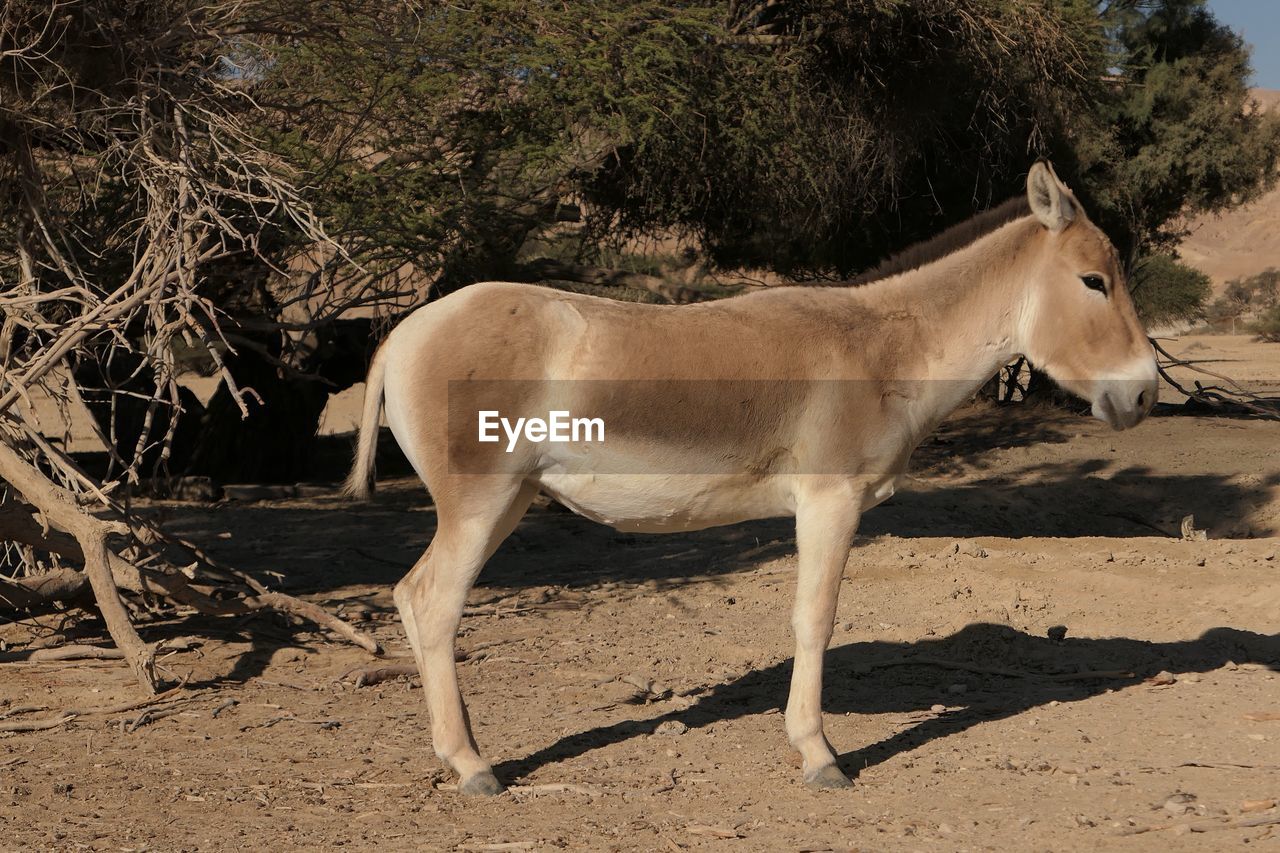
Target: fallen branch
(1234, 398)
(17, 523)
(1205, 825)
(59, 508)
(315, 613)
(1262, 716)
(556, 788)
(76, 651)
(1001, 671)
(369, 676)
(168, 698)
(68, 586)
(36, 725)
(62, 653)
(150, 716)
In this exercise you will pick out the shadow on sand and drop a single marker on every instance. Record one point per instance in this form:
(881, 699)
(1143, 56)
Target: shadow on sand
(880, 677)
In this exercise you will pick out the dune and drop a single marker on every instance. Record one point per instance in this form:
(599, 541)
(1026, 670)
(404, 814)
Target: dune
(1242, 241)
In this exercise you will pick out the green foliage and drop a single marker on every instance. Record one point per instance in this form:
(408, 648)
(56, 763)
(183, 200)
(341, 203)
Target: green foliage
(794, 137)
(1176, 132)
(826, 149)
(1268, 325)
(1254, 295)
(812, 137)
(446, 139)
(1167, 291)
(1259, 291)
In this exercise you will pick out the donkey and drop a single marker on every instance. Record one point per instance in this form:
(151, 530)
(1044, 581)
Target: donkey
(791, 401)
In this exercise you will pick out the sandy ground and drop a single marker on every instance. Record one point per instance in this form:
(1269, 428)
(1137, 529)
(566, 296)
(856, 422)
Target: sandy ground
(969, 721)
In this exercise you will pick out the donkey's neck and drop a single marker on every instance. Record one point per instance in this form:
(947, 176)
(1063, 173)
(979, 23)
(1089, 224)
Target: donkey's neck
(969, 307)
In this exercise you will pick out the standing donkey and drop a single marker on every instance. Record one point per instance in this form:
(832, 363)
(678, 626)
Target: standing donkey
(792, 401)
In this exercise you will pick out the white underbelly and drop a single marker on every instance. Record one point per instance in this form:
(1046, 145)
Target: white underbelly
(658, 503)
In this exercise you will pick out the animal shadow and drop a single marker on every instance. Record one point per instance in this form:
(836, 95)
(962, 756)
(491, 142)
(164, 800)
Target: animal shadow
(1022, 672)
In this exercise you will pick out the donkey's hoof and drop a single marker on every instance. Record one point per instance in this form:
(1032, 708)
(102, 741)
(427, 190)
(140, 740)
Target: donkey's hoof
(827, 778)
(481, 785)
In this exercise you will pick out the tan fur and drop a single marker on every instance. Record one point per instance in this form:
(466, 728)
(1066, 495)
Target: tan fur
(792, 401)
(360, 482)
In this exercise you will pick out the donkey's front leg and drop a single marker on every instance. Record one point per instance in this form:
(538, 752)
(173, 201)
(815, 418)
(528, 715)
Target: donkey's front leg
(825, 524)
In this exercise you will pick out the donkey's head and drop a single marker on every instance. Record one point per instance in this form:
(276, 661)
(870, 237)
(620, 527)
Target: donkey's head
(1080, 325)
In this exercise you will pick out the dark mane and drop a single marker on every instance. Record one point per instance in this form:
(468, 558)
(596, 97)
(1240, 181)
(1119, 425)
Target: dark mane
(949, 241)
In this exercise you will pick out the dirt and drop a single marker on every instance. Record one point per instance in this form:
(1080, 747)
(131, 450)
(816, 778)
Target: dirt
(1026, 657)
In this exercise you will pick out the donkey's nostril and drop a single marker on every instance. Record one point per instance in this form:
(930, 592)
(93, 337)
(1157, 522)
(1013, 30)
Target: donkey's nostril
(1143, 398)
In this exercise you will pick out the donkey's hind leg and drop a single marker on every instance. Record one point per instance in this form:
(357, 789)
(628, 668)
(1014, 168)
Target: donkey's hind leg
(430, 599)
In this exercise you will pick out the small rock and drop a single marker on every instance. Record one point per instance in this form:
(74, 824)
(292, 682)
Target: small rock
(314, 490)
(937, 709)
(1179, 803)
(1189, 677)
(258, 492)
(289, 654)
(1161, 678)
(671, 727)
(1057, 633)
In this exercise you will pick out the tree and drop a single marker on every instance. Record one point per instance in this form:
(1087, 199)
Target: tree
(792, 135)
(1268, 325)
(253, 179)
(136, 209)
(1166, 291)
(1175, 133)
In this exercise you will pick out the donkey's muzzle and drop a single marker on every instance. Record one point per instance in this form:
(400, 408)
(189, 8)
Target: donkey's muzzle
(1125, 403)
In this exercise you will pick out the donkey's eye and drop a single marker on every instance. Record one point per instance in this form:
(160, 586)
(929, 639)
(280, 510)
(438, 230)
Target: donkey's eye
(1095, 282)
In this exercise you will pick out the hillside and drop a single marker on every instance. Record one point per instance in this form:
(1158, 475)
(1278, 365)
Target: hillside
(1240, 242)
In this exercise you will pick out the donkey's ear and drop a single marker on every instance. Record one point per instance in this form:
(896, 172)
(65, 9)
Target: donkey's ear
(1051, 201)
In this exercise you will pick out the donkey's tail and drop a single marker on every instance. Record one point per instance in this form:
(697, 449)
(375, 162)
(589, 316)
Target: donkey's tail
(360, 482)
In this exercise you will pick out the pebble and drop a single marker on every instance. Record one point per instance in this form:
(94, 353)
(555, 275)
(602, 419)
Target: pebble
(671, 727)
(1179, 803)
(937, 709)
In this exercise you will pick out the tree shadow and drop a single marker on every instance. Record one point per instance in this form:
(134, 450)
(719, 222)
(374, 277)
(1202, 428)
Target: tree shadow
(322, 545)
(332, 549)
(883, 677)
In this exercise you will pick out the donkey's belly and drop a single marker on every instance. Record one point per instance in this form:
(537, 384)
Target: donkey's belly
(661, 503)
